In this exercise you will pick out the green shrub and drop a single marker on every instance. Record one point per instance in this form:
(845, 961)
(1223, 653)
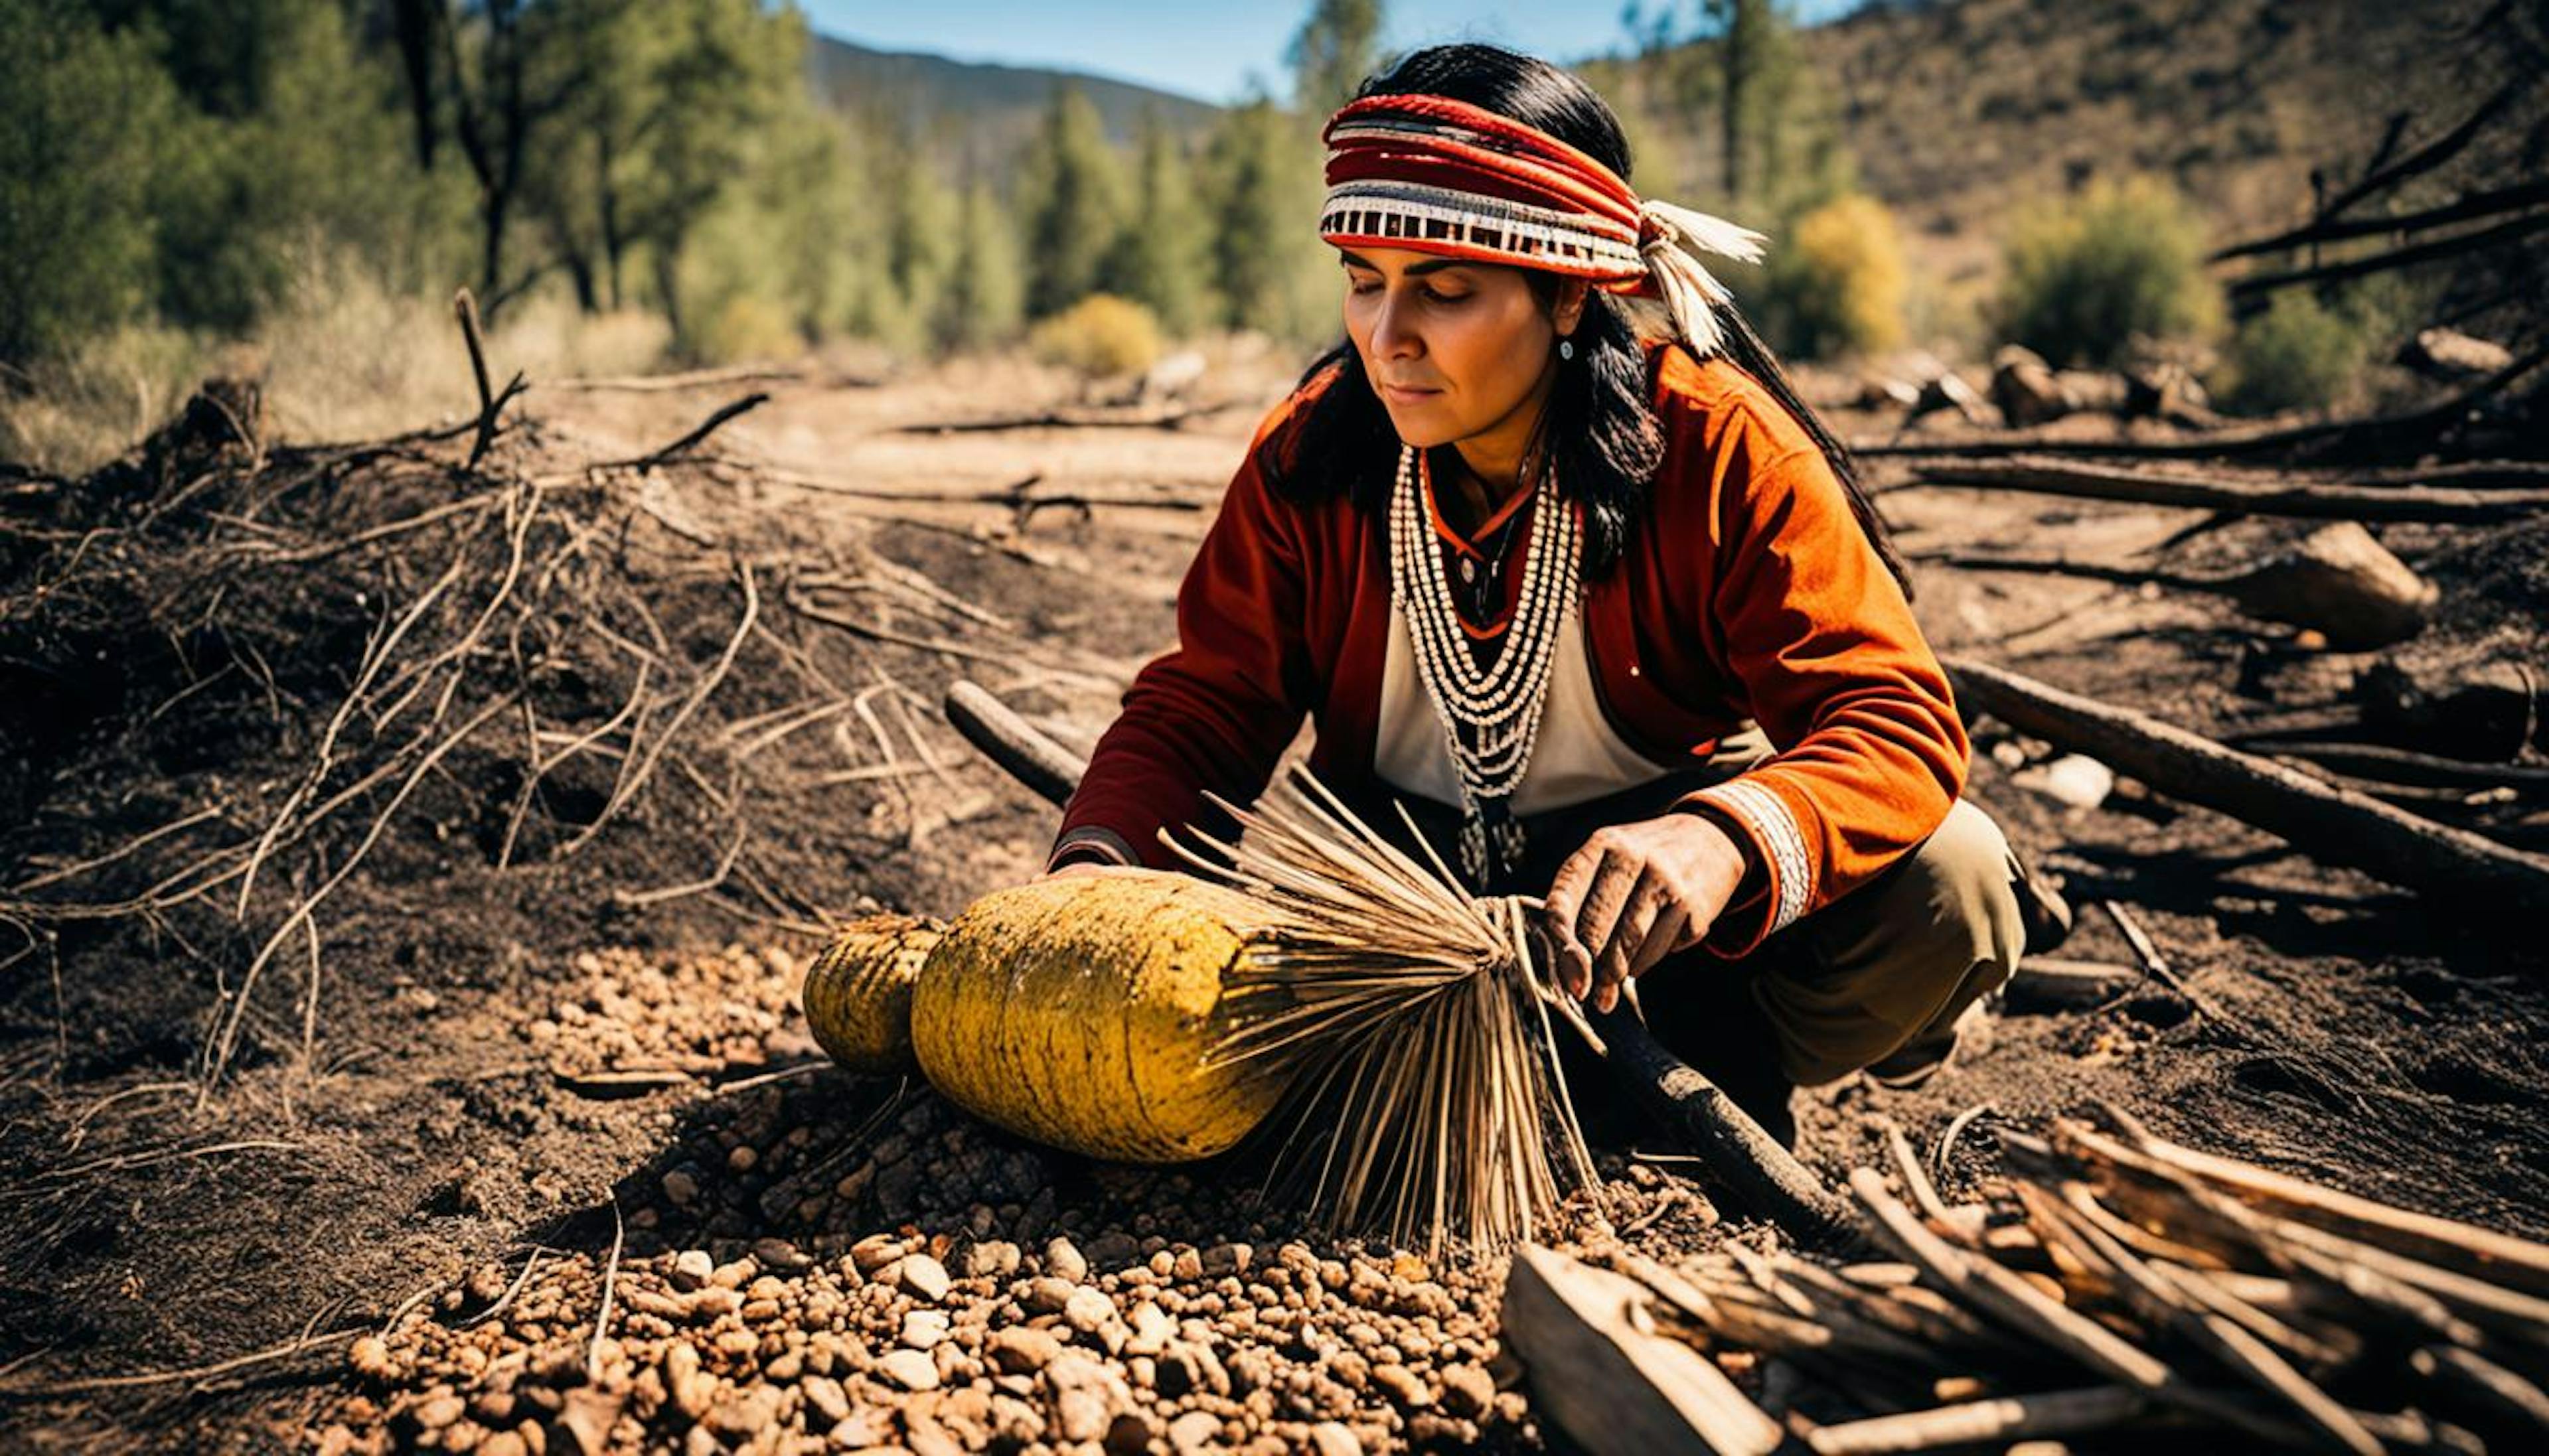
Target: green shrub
(1101, 335)
(2298, 354)
(2119, 260)
(1838, 284)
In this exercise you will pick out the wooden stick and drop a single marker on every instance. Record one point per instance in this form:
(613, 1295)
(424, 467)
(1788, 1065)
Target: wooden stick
(2010, 1299)
(1029, 756)
(700, 431)
(1746, 1158)
(2052, 983)
(2489, 1386)
(2478, 1253)
(2335, 825)
(2049, 476)
(1980, 1422)
(2161, 1304)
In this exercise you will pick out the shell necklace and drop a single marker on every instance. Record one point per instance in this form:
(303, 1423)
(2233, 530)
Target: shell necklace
(1490, 715)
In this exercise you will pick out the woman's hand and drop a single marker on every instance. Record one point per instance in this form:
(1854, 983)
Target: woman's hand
(1635, 893)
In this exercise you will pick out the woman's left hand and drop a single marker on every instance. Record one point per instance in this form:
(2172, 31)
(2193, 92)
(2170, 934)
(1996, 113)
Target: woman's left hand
(1635, 893)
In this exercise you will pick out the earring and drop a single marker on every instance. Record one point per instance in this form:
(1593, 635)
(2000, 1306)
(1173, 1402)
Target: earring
(1566, 348)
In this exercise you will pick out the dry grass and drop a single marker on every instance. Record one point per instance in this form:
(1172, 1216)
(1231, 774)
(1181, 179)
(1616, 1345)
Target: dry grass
(343, 358)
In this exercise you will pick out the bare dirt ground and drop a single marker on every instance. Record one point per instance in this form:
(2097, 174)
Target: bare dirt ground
(529, 1106)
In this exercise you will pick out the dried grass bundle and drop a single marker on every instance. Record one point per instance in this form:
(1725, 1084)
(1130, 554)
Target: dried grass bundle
(1413, 1021)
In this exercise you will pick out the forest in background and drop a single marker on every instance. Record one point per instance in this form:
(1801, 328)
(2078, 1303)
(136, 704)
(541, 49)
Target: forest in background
(293, 187)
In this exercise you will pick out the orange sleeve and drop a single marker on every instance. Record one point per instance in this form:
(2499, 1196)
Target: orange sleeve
(1870, 754)
(1215, 712)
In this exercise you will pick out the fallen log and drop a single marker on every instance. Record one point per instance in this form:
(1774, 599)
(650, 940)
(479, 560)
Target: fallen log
(2484, 710)
(2338, 581)
(2334, 823)
(1599, 1370)
(2267, 496)
(2424, 424)
(2407, 767)
(1746, 1157)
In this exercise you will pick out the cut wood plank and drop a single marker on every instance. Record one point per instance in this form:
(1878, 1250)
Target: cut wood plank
(2334, 823)
(1601, 1373)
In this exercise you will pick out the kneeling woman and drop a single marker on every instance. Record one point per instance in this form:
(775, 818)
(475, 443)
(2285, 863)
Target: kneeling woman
(1608, 612)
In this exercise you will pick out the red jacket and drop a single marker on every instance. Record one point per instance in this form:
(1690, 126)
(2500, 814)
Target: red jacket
(1749, 592)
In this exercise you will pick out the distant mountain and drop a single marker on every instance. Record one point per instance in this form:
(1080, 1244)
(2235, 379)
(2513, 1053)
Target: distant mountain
(979, 112)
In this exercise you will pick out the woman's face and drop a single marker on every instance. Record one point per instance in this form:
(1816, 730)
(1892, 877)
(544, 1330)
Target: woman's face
(1454, 349)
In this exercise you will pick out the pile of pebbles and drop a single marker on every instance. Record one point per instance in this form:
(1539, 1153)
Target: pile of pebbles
(694, 1015)
(827, 1263)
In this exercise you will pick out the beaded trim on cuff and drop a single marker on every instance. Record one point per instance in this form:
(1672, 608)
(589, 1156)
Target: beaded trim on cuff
(1091, 840)
(1775, 830)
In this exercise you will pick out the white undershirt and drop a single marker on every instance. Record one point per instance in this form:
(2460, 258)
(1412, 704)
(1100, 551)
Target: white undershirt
(1577, 756)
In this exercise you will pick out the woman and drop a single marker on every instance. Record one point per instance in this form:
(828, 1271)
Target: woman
(1609, 615)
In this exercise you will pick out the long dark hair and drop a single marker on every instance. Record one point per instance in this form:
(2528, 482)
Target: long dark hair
(1601, 430)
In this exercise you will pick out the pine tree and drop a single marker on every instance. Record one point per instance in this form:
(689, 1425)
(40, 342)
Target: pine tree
(1272, 271)
(987, 291)
(1073, 203)
(1160, 256)
(1336, 47)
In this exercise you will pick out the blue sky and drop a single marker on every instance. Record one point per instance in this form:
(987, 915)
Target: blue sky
(1200, 49)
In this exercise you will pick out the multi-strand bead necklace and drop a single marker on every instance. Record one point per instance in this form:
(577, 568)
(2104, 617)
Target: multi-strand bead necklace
(1490, 715)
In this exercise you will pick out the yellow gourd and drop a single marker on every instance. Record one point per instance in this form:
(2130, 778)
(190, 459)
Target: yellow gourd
(1081, 1012)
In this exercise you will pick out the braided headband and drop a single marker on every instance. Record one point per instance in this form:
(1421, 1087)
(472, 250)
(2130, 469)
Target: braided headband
(1436, 175)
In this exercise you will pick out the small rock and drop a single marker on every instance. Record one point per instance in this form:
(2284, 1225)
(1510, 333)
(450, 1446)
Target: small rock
(691, 1268)
(505, 1444)
(1063, 1260)
(825, 1398)
(370, 1359)
(1022, 1350)
(689, 1387)
(2075, 780)
(1328, 1438)
(681, 1188)
(875, 1251)
(925, 1329)
(779, 1255)
(1228, 1258)
(439, 1411)
(910, 1369)
(1083, 1415)
(1195, 1431)
(1403, 1386)
(1152, 1330)
(744, 1414)
(1467, 1391)
(925, 1278)
(1130, 1433)
(1089, 1310)
(992, 1260)
(1047, 1294)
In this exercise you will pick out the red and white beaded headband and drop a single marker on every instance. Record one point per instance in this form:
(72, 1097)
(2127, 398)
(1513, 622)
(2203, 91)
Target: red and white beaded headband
(1436, 175)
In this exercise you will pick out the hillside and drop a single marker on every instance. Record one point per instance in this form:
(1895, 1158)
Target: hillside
(981, 111)
(1959, 112)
